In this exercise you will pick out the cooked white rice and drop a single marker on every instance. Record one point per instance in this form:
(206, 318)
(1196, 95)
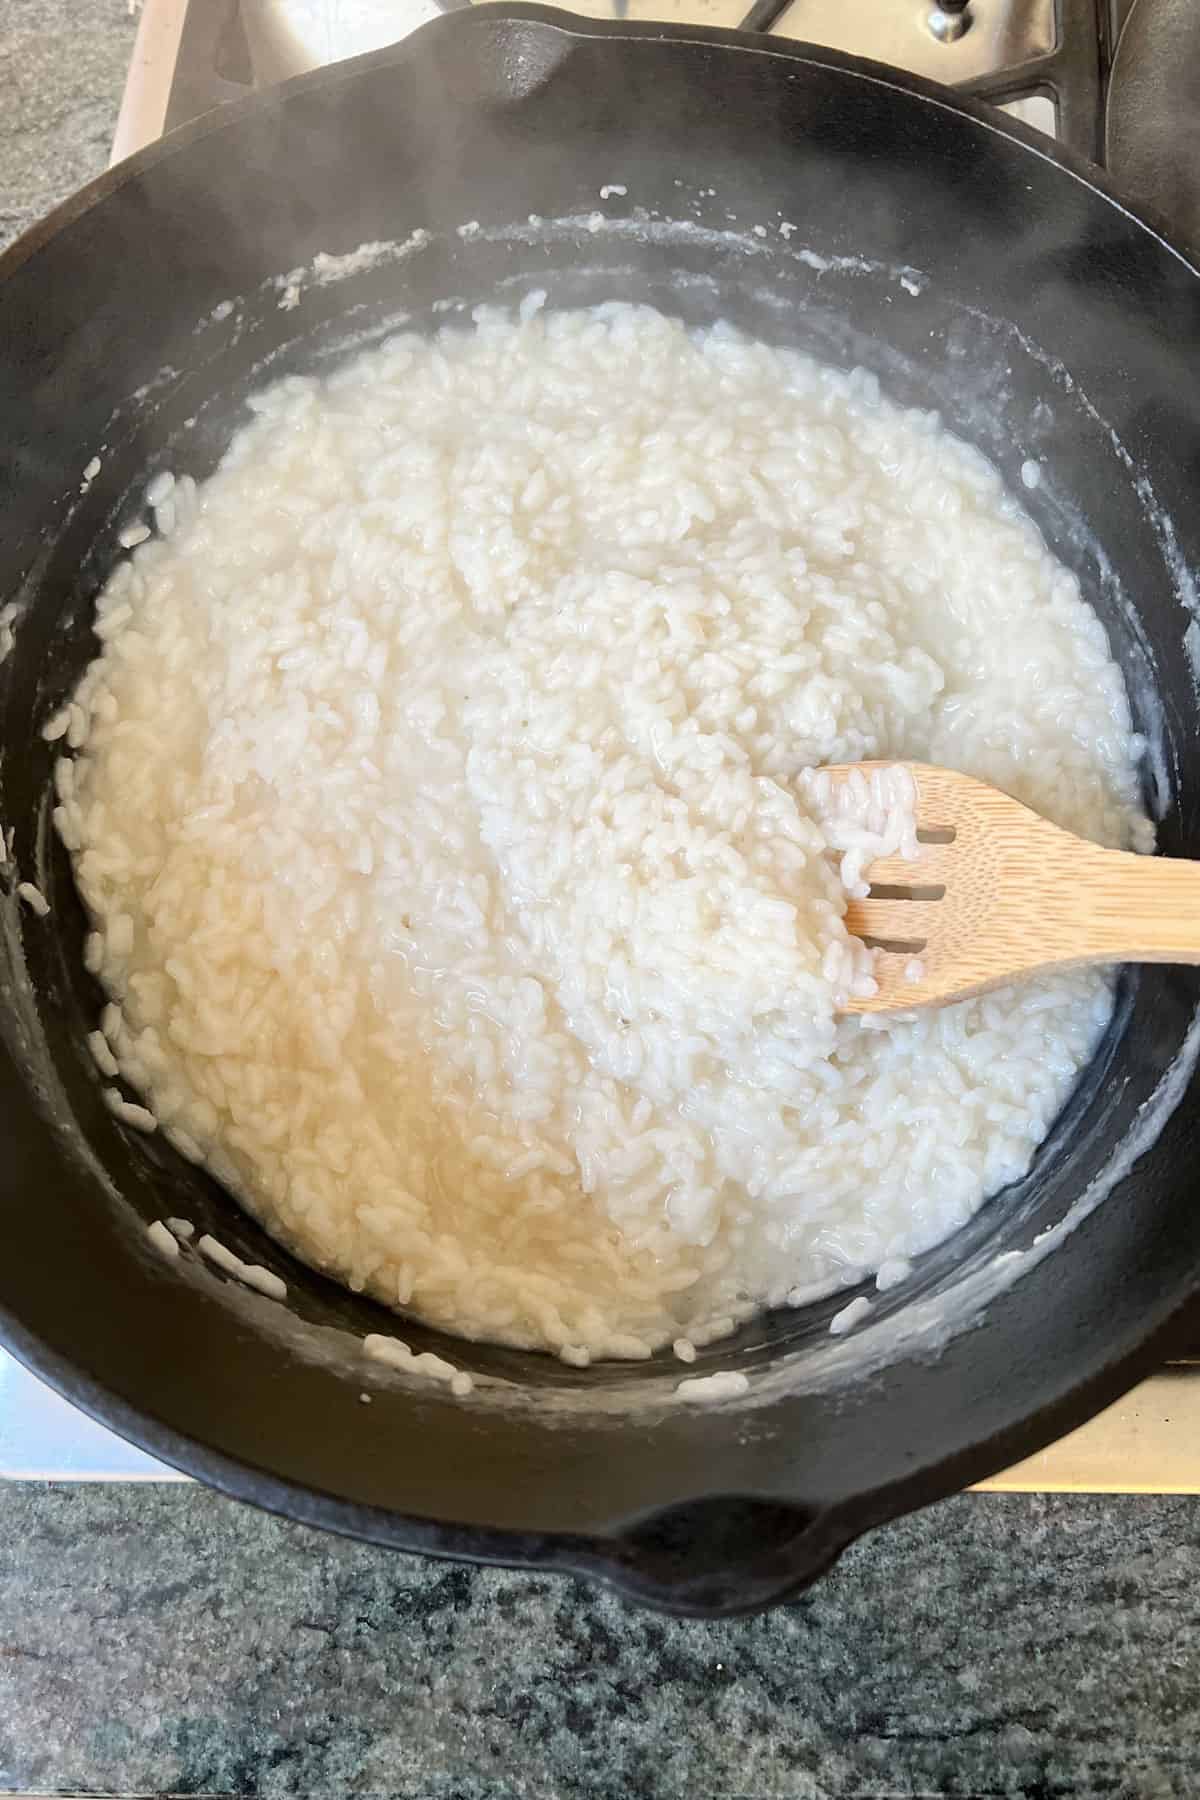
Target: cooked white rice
(443, 822)
(162, 1239)
(726, 1384)
(250, 1274)
(34, 899)
(397, 1355)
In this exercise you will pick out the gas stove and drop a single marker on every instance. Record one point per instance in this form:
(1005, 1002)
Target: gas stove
(194, 54)
(1116, 80)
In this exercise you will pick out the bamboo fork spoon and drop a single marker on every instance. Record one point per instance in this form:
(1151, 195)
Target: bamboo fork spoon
(998, 892)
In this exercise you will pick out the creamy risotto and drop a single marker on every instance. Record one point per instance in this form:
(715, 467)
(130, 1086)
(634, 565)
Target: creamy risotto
(438, 796)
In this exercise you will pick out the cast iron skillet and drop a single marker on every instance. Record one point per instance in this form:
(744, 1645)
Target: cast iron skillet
(975, 270)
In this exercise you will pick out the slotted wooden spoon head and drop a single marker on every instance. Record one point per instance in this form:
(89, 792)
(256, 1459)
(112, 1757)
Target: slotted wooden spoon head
(996, 892)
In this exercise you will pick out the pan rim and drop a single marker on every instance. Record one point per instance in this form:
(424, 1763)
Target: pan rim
(883, 75)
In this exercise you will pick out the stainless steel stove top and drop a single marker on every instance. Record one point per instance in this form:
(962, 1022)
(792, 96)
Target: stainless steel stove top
(1116, 80)
(1046, 60)
(1049, 60)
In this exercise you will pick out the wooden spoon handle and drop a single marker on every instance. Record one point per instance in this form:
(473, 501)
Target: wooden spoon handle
(1130, 908)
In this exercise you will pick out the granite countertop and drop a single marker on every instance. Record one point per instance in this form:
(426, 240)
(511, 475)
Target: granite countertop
(162, 1639)
(62, 68)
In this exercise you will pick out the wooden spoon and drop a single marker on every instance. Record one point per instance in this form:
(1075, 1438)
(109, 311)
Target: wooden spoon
(997, 892)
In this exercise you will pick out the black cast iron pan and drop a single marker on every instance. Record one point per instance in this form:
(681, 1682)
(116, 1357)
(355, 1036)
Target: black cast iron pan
(974, 269)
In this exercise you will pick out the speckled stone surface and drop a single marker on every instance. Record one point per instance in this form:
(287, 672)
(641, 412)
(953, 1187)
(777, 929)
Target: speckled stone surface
(62, 70)
(162, 1640)
(166, 1640)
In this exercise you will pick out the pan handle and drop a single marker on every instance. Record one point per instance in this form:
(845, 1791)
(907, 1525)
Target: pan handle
(1150, 147)
(720, 1557)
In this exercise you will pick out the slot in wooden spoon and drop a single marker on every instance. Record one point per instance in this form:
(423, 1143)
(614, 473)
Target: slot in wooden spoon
(997, 892)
